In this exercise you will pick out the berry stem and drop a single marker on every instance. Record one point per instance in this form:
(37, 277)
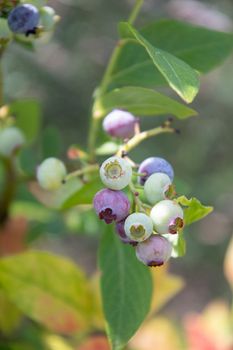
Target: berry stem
(9, 189)
(136, 9)
(138, 138)
(137, 200)
(94, 124)
(88, 169)
(1, 79)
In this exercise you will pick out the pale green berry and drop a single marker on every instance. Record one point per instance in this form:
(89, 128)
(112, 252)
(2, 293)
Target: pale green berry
(47, 18)
(51, 173)
(11, 139)
(167, 217)
(115, 173)
(138, 227)
(156, 186)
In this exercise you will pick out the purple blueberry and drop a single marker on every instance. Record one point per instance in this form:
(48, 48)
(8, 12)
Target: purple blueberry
(23, 19)
(120, 124)
(155, 251)
(120, 230)
(155, 165)
(111, 205)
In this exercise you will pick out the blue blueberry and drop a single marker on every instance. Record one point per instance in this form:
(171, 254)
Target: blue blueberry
(155, 165)
(23, 19)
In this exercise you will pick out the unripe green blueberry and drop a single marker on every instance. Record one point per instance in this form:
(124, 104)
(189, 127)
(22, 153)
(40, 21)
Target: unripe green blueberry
(138, 227)
(115, 173)
(11, 139)
(47, 18)
(50, 173)
(167, 217)
(156, 186)
(155, 251)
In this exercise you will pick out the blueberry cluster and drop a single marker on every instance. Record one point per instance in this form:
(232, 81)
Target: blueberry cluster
(27, 19)
(146, 225)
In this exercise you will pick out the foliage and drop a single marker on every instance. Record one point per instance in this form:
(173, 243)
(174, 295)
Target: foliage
(51, 293)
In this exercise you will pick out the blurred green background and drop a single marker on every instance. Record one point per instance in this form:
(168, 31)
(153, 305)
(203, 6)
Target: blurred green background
(63, 74)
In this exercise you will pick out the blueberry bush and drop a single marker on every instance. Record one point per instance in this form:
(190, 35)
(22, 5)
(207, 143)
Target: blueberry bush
(139, 216)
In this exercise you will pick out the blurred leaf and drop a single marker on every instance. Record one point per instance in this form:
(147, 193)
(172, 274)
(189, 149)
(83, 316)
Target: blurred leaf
(10, 315)
(126, 289)
(228, 264)
(55, 199)
(32, 211)
(194, 210)
(12, 235)
(54, 342)
(96, 342)
(203, 49)
(168, 286)
(84, 194)
(107, 148)
(28, 161)
(140, 101)
(180, 76)
(28, 117)
(158, 334)
(49, 289)
(51, 143)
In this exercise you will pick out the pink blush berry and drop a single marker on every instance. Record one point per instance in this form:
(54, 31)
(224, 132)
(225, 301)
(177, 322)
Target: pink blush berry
(120, 230)
(120, 124)
(111, 205)
(155, 251)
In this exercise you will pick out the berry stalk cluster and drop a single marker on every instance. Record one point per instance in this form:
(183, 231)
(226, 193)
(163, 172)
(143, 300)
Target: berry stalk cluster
(145, 224)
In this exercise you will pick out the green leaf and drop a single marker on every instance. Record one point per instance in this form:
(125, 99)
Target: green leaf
(10, 315)
(140, 101)
(203, 49)
(48, 289)
(178, 244)
(51, 142)
(84, 194)
(28, 117)
(179, 75)
(193, 210)
(28, 161)
(126, 288)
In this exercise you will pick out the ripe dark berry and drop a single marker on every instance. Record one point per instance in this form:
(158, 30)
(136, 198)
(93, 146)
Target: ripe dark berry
(23, 19)
(155, 165)
(111, 205)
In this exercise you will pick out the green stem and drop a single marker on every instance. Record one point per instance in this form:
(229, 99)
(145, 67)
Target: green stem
(94, 125)
(135, 11)
(1, 81)
(138, 138)
(9, 189)
(87, 170)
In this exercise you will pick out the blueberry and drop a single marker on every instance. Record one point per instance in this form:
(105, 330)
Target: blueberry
(167, 217)
(11, 139)
(120, 230)
(23, 19)
(156, 186)
(51, 173)
(155, 251)
(155, 165)
(47, 18)
(120, 124)
(111, 205)
(115, 173)
(138, 227)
